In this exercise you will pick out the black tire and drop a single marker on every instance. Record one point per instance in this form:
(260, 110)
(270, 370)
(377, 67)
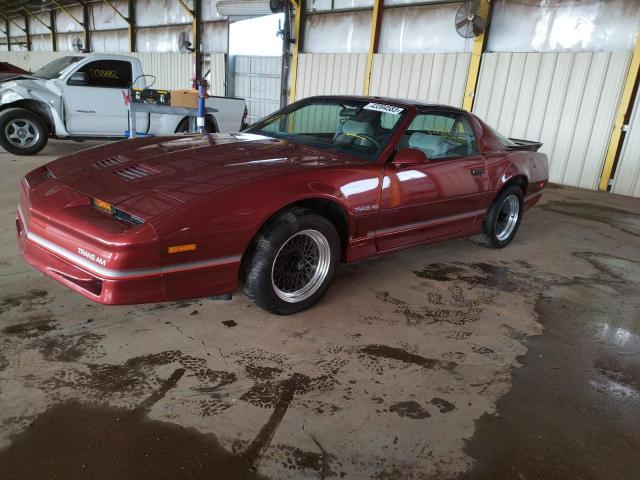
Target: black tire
(493, 233)
(259, 275)
(183, 126)
(29, 138)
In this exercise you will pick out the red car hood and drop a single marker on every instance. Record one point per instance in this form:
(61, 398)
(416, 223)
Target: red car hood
(182, 168)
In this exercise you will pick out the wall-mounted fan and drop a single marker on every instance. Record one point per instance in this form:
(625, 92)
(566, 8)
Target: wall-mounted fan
(184, 45)
(469, 23)
(76, 44)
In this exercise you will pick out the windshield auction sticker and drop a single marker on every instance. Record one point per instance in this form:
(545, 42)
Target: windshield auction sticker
(381, 107)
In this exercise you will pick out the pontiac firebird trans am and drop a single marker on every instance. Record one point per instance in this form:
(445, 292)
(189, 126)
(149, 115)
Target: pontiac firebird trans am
(275, 208)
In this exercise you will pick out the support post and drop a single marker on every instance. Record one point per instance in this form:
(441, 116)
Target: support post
(374, 40)
(630, 83)
(27, 32)
(86, 26)
(132, 25)
(54, 32)
(297, 46)
(129, 20)
(476, 56)
(196, 33)
(8, 33)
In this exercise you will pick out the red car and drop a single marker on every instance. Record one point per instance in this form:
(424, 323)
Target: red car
(275, 208)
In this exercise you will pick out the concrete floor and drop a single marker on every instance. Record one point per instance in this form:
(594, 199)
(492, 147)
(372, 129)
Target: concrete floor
(443, 361)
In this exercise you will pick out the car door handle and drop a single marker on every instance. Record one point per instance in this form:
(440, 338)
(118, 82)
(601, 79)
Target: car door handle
(477, 172)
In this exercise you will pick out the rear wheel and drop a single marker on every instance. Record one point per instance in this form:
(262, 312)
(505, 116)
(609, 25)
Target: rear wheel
(291, 263)
(503, 218)
(183, 126)
(22, 132)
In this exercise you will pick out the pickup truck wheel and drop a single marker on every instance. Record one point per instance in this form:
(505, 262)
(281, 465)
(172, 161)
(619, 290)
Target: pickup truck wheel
(183, 126)
(291, 263)
(22, 132)
(502, 219)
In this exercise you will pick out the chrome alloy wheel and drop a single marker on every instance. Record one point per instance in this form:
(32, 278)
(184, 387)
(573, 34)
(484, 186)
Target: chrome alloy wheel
(507, 217)
(22, 133)
(301, 266)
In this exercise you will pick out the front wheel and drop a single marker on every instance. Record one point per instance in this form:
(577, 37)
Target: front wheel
(22, 132)
(290, 265)
(502, 219)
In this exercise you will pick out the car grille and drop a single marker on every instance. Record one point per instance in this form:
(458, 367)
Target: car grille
(108, 162)
(137, 171)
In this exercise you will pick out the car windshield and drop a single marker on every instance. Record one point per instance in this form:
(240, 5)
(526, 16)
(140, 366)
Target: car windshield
(53, 69)
(355, 127)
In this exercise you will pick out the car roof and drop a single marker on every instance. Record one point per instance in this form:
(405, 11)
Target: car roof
(400, 102)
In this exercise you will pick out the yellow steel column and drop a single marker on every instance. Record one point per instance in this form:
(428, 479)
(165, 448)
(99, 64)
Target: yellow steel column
(296, 48)
(376, 20)
(623, 108)
(476, 56)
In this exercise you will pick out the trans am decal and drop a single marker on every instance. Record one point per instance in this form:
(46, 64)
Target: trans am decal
(92, 256)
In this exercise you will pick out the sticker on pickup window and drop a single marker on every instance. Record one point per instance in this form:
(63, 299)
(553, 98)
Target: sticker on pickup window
(381, 107)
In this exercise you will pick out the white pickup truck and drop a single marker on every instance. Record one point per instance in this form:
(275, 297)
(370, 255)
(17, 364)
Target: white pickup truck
(82, 97)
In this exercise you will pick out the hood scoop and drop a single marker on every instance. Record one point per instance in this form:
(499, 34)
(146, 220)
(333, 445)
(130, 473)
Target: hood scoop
(108, 162)
(135, 172)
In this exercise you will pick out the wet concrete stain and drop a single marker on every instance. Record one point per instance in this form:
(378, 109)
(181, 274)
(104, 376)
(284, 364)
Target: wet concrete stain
(30, 299)
(76, 440)
(268, 394)
(73, 440)
(443, 405)
(587, 360)
(400, 355)
(67, 348)
(36, 326)
(410, 409)
(623, 220)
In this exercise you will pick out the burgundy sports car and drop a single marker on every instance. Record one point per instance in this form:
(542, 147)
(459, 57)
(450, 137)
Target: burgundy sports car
(275, 208)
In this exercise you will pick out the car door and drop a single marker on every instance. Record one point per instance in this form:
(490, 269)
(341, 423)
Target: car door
(442, 197)
(94, 101)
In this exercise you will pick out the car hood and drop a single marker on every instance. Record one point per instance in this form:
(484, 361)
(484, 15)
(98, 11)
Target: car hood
(182, 167)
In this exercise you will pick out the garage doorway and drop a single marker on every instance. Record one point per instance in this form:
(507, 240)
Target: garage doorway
(255, 57)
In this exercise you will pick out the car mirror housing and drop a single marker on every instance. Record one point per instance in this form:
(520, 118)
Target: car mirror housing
(79, 79)
(410, 156)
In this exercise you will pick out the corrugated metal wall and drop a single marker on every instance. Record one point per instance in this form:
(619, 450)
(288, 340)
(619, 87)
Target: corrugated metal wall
(565, 100)
(330, 74)
(627, 175)
(257, 80)
(172, 70)
(430, 77)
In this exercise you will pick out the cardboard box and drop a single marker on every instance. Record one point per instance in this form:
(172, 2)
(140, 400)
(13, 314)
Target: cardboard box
(184, 98)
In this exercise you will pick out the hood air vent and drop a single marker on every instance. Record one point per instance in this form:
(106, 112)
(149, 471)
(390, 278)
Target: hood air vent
(137, 171)
(108, 162)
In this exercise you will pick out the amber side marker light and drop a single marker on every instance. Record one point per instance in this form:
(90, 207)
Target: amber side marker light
(182, 248)
(101, 204)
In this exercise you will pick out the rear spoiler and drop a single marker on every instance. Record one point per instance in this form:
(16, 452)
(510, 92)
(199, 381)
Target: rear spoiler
(524, 145)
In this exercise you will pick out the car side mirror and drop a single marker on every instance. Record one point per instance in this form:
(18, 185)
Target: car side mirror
(409, 156)
(79, 79)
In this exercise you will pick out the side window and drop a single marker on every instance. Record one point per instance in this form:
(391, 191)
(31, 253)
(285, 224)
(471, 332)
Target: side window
(108, 73)
(442, 135)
